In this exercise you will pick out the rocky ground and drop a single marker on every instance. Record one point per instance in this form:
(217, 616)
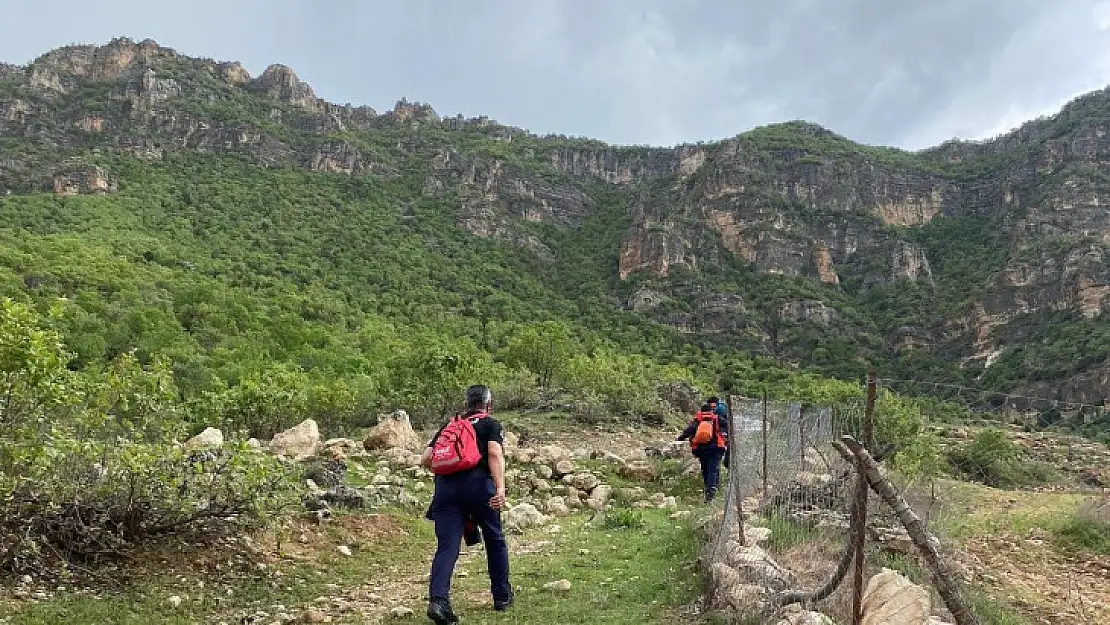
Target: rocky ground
(602, 530)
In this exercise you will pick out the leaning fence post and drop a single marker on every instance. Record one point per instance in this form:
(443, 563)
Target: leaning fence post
(733, 482)
(765, 443)
(944, 579)
(860, 502)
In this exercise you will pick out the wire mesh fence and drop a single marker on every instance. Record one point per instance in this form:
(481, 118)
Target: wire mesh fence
(790, 492)
(786, 532)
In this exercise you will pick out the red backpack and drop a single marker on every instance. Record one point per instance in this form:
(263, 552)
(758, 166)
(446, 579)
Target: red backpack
(456, 447)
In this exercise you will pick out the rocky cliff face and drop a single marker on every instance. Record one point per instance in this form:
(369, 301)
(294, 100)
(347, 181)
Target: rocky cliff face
(778, 240)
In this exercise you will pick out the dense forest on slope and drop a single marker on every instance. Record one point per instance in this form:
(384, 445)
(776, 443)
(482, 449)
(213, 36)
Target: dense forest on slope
(322, 260)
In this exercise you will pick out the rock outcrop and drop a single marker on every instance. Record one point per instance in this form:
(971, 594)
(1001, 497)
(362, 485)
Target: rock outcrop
(394, 431)
(299, 442)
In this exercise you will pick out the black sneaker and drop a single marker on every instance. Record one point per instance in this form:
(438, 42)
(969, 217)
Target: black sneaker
(501, 606)
(440, 612)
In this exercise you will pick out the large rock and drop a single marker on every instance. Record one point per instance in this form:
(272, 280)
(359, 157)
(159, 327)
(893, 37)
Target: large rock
(208, 439)
(523, 516)
(682, 396)
(639, 471)
(891, 599)
(730, 592)
(393, 431)
(756, 566)
(298, 442)
(600, 496)
(551, 455)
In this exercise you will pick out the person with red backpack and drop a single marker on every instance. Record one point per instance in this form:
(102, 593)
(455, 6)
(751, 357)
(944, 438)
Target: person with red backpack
(468, 461)
(708, 442)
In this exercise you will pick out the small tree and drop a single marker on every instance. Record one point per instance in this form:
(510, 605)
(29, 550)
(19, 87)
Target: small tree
(542, 348)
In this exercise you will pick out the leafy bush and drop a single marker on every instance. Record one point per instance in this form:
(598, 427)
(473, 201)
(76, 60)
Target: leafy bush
(87, 502)
(991, 458)
(89, 466)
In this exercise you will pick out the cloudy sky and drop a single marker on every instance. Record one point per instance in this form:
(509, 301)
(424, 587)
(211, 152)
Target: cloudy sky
(659, 72)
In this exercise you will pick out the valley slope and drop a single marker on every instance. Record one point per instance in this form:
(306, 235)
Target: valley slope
(192, 210)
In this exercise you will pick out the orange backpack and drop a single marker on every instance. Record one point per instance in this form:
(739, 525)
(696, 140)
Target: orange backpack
(706, 432)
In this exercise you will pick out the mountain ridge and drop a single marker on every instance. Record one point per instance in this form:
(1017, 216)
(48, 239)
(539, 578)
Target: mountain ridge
(786, 240)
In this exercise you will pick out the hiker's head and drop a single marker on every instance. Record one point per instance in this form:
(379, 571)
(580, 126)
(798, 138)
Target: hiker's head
(478, 397)
(713, 401)
(705, 407)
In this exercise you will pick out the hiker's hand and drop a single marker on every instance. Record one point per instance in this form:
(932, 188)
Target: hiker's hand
(498, 500)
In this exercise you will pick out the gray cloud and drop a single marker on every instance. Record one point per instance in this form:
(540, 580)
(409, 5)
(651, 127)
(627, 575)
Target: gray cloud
(641, 71)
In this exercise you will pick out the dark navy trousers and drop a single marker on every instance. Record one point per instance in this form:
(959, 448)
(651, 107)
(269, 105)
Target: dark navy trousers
(456, 499)
(710, 458)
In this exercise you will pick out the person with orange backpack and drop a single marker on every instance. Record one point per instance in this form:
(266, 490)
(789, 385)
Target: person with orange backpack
(468, 461)
(708, 443)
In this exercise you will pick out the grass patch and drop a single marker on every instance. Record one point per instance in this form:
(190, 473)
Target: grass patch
(992, 611)
(624, 518)
(975, 510)
(787, 534)
(1079, 535)
(621, 576)
(640, 572)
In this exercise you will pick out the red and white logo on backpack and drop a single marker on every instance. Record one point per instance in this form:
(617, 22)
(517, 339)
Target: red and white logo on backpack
(456, 448)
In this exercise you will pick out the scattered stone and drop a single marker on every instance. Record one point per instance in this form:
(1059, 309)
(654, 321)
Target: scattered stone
(552, 455)
(393, 431)
(600, 496)
(314, 616)
(561, 585)
(557, 506)
(524, 515)
(564, 467)
(175, 601)
(610, 457)
(344, 447)
(401, 612)
(669, 503)
(345, 497)
(582, 481)
(681, 515)
(298, 442)
(401, 458)
(639, 471)
(729, 591)
(891, 599)
(544, 471)
(754, 565)
(345, 550)
(327, 473)
(756, 535)
(807, 618)
(635, 493)
(210, 438)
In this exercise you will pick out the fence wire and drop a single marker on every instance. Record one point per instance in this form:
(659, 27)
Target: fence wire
(795, 495)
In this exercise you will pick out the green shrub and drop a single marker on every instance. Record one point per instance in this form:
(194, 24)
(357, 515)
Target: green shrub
(89, 466)
(1088, 530)
(624, 518)
(991, 458)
